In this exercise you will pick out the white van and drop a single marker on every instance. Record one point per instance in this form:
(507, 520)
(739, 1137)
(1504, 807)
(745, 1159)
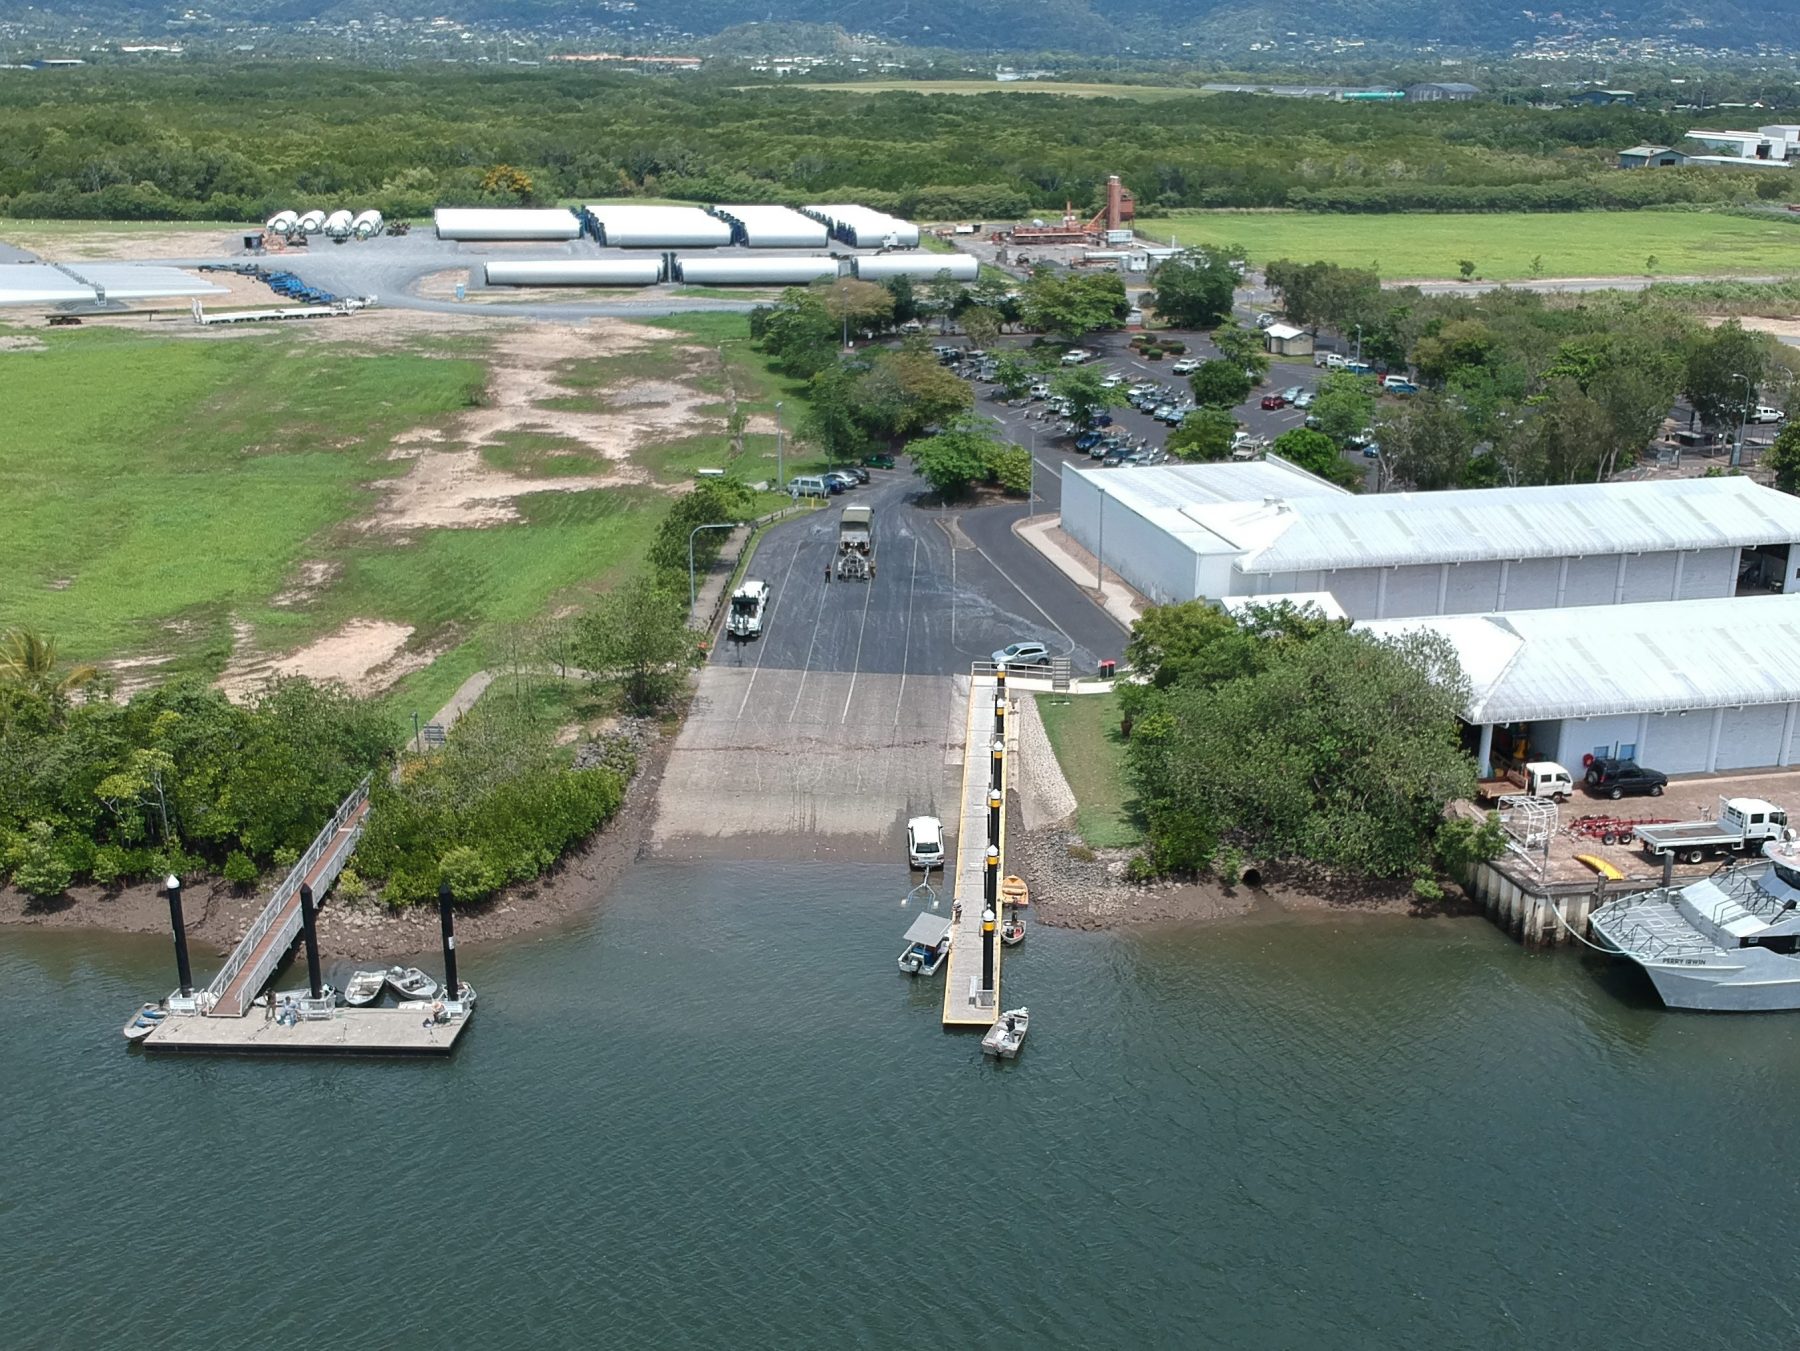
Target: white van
(925, 842)
(809, 485)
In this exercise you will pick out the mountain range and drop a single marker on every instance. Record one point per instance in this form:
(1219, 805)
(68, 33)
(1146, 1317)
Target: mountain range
(1141, 27)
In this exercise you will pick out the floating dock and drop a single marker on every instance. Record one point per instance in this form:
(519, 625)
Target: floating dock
(358, 1032)
(966, 1004)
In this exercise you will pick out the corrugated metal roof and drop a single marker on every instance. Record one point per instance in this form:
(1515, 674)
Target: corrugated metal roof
(1166, 495)
(139, 281)
(1480, 524)
(38, 284)
(1590, 661)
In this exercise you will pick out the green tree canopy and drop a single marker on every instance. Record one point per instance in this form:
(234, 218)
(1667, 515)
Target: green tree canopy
(1220, 383)
(1203, 436)
(1085, 389)
(1194, 289)
(1316, 453)
(1072, 305)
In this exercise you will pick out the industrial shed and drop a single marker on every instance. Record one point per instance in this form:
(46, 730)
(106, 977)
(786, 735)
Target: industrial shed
(774, 227)
(637, 226)
(920, 266)
(863, 228)
(575, 272)
(737, 270)
(502, 223)
(1687, 687)
(1468, 551)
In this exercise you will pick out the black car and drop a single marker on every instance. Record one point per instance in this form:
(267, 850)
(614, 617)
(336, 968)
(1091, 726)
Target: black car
(1615, 778)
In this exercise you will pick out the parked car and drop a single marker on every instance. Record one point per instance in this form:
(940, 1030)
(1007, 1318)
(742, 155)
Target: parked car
(1022, 654)
(836, 483)
(1186, 366)
(925, 842)
(1271, 402)
(1075, 356)
(1292, 393)
(946, 354)
(1331, 361)
(1399, 388)
(1610, 777)
(1264, 320)
(880, 460)
(1372, 451)
(1112, 381)
(1040, 391)
(1765, 414)
(1304, 399)
(856, 471)
(1357, 368)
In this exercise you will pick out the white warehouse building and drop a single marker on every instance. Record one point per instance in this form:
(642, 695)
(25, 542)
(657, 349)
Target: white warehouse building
(1185, 532)
(1687, 687)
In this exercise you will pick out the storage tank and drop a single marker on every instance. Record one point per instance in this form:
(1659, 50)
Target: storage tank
(367, 225)
(507, 222)
(635, 226)
(775, 227)
(312, 222)
(920, 266)
(736, 270)
(576, 272)
(337, 224)
(283, 223)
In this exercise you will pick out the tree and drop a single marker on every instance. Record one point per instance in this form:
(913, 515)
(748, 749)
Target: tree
(1243, 346)
(1425, 442)
(28, 661)
(799, 335)
(1316, 453)
(1459, 343)
(1343, 406)
(959, 456)
(1467, 268)
(1088, 396)
(1073, 305)
(1783, 458)
(856, 305)
(638, 635)
(505, 181)
(1715, 360)
(1014, 375)
(982, 324)
(1220, 383)
(1194, 289)
(943, 297)
(1204, 436)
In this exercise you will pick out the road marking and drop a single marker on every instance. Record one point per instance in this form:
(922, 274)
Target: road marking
(1054, 471)
(912, 583)
(1028, 600)
(856, 661)
(811, 642)
(768, 618)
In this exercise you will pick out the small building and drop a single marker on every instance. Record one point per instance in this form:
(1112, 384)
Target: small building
(1603, 98)
(1651, 157)
(1287, 341)
(1687, 687)
(1446, 91)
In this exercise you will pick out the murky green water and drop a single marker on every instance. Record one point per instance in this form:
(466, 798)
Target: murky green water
(716, 1116)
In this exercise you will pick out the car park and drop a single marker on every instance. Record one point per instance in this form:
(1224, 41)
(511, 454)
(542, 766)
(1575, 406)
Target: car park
(1186, 366)
(1271, 402)
(1611, 777)
(1023, 654)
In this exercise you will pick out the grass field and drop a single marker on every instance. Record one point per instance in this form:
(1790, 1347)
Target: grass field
(1085, 736)
(169, 498)
(1148, 92)
(1503, 246)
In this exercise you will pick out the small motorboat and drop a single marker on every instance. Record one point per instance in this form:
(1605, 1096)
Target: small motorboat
(927, 945)
(1006, 1036)
(145, 1021)
(1012, 933)
(365, 988)
(1014, 891)
(410, 983)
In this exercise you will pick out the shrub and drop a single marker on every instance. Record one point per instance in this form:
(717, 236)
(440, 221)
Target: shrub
(240, 869)
(40, 868)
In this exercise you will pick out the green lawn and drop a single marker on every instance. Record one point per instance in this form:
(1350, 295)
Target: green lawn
(1503, 245)
(1069, 89)
(160, 489)
(1085, 736)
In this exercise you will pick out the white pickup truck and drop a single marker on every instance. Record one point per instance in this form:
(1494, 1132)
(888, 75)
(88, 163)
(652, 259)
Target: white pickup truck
(1743, 826)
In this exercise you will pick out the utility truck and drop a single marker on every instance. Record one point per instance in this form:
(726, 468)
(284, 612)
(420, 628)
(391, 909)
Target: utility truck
(856, 545)
(1538, 778)
(749, 608)
(1743, 826)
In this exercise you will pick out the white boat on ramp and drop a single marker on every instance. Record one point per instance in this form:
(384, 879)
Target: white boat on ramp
(927, 945)
(1728, 943)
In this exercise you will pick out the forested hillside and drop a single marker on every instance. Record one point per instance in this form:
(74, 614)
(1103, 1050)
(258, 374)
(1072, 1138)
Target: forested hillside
(235, 143)
(1067, 25)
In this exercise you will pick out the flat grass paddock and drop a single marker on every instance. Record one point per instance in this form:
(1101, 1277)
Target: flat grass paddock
(1084, 733)
(1144, 92)
(1503, 245)
(175, 502)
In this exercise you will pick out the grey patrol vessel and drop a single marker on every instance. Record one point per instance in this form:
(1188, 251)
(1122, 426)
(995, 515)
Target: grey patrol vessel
(1729, 942)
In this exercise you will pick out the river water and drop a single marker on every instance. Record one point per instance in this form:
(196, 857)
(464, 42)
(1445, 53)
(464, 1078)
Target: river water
(713, 1114)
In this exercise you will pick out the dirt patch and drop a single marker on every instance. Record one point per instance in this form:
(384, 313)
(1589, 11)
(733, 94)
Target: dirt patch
(1780, 328)
(131, 674)
(459, 490)
(314, 577)
(365, 655)
(104, 245)
(21, 343)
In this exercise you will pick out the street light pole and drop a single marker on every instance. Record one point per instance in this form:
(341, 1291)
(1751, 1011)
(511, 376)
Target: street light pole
(693, 589)
(1359, 342)
(1100, 549)
(1737, 450)
(780, 469)
(1031, 503)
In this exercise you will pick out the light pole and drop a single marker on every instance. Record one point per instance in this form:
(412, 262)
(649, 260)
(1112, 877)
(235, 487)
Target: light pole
(780, 469)
(1031, 502)
(693, 590)
(1359, 343)
(1737, 449)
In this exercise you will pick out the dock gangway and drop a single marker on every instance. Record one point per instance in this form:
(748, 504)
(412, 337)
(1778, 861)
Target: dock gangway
(268, 939)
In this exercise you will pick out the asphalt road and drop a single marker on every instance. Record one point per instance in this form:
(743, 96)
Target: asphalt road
(950, 587)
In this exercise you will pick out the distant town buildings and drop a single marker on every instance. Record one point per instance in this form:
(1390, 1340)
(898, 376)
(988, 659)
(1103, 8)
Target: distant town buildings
(1451, 91)
(1776, 146)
